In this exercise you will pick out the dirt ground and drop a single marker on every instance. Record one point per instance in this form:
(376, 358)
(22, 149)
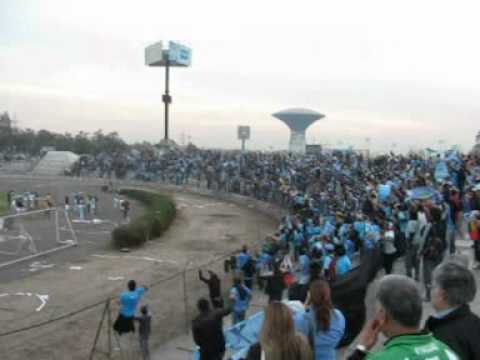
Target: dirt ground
(47, 288)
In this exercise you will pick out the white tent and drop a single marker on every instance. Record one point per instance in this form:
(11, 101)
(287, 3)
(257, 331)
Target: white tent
(55, 163)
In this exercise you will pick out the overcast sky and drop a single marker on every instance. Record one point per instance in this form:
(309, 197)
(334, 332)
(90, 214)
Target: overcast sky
(403, 72)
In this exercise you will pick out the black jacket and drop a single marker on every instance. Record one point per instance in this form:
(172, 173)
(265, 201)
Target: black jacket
(213, 283)
(208, 333)
(460, 330)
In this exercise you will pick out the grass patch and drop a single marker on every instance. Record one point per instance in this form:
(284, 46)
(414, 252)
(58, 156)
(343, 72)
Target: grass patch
(4, 205)
(160, 213)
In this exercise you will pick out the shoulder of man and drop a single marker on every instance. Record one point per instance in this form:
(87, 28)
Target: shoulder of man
(409, 348)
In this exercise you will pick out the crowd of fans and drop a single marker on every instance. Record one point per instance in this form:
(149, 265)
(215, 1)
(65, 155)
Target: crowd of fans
(21, 202)
(342, 205)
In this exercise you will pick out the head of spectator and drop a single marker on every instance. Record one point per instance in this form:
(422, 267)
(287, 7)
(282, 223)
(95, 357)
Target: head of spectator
(203, 305)
(278, 338)
(394, 316)
(453, 286)
(340, 250)
(321, 303)
(131, 285)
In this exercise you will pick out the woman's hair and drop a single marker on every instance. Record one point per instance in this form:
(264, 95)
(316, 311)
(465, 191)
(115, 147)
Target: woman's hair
(242, 293)
(278, 336)
(321, 302)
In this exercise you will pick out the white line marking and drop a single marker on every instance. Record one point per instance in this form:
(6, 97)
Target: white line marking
(43, 299)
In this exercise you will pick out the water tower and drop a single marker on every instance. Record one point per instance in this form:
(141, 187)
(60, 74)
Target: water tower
(298, 120)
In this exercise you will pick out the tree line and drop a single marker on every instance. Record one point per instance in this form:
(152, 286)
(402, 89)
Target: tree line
(28, 141)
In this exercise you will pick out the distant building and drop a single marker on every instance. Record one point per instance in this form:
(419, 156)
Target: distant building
(5, 121)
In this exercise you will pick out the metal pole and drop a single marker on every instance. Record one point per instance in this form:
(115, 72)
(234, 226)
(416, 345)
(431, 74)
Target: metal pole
(99, 329)
(185, 298)
(109, 329)
(57, 226)
(166, 98)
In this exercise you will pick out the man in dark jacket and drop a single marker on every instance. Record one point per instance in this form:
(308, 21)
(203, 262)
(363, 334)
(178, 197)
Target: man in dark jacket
(454, 324)
(208, 332)
(214, 288)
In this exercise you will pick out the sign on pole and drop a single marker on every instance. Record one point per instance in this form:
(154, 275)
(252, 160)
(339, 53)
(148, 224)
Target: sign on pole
(154, 54)
(178, 54)
(243, 132)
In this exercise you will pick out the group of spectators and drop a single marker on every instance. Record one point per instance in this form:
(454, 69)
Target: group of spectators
(340, 206)
(21, 202)
(83, 205)
(313, 329)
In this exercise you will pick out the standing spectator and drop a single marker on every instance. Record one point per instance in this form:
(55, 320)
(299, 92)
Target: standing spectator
(67, 204)
(81, 207)
(207, 331)
(457, 213)
(342, 262)
(278, 339)
(240, 297)
(249, 272)
(144, 329)
(88, 203)
(432, 254)
(327, 323)
(389, 249)
(93, 205)
(125, 206)
(275, 284)
(214, 288)
(474, 232)
(242, 258)
(303, 275)
(453, 323)
(412, 261)
(116, 200)
(128, 303)
(9, 197)
(399, 321)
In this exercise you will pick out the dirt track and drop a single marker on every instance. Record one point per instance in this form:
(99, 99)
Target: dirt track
(205, 228)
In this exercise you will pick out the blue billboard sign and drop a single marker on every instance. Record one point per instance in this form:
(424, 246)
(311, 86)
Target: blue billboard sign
(179, 54)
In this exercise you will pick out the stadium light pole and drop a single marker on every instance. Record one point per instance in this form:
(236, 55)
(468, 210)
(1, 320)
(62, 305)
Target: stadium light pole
(176, 55)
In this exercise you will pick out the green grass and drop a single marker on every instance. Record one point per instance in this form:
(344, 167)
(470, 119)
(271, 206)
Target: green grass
(4, 206)
(159, 214)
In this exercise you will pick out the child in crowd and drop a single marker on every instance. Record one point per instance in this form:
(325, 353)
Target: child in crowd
(144, 329)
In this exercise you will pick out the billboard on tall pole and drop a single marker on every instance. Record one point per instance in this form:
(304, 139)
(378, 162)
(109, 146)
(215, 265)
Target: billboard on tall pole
(177, 55)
